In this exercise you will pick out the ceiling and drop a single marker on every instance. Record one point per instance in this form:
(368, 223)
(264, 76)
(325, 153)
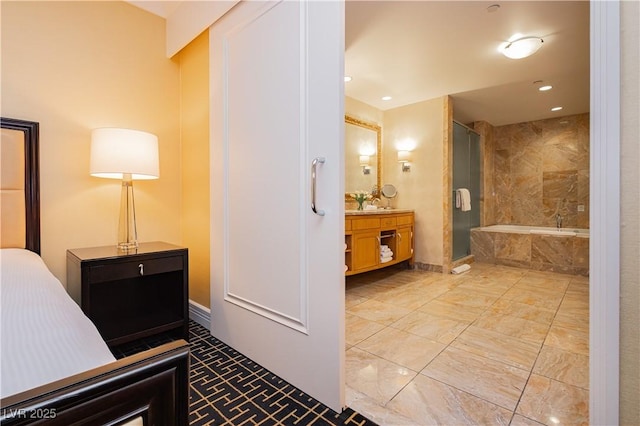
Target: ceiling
(420, 50)
(157, 7)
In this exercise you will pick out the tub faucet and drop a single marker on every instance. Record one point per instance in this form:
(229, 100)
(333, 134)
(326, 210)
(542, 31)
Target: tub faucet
(558, 221)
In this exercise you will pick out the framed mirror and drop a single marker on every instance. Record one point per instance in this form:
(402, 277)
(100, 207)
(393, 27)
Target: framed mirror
(362, 156)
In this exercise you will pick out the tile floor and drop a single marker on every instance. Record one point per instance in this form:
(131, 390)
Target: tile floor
(495, 345)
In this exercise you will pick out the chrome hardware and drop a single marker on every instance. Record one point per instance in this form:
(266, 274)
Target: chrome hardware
(314, 163)
(558, 222)
(141, 266)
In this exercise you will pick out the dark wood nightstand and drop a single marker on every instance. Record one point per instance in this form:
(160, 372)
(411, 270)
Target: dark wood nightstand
(132, 295)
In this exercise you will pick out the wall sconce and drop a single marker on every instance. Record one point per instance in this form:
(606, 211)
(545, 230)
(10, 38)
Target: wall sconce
(364, 162)
(404, 157)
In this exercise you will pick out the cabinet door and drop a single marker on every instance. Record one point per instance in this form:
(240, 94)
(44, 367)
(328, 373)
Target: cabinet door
(366, 250)
(404, 243)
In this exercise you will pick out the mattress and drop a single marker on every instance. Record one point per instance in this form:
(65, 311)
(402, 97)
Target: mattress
(44, 335)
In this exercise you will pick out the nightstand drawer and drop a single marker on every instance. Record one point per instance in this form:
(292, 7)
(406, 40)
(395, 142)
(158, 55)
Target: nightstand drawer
(124, 270)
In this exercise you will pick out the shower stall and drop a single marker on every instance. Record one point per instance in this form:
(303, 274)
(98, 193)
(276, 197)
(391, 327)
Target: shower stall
(466, 175)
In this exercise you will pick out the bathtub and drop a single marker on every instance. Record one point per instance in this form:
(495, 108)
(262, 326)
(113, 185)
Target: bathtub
(541, 230)
(533, 247)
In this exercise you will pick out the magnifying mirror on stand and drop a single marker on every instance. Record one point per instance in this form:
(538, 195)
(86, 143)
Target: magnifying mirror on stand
(388, 191)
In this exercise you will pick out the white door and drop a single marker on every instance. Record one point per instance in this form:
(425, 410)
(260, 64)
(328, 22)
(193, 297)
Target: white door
(277, 268)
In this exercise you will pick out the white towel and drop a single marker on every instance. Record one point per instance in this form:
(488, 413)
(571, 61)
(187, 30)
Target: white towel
(463, 199)
(386, 255)
(386, 259)
(460, 269)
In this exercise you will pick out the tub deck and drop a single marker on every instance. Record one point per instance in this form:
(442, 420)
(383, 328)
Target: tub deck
(537, 248)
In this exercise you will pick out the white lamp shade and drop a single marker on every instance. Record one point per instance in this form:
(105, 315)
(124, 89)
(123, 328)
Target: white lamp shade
(116, 152)
(364, 160)
(404, 156)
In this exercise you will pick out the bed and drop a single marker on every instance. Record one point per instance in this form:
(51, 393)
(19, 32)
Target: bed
(55, 367)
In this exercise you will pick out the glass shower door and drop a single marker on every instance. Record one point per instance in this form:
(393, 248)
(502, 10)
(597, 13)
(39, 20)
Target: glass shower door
(466, 174)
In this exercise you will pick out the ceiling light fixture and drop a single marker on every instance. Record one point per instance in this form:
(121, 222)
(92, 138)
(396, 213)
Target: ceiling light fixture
(545, 88)
(521, 47)
(556, 109)
(386, 98)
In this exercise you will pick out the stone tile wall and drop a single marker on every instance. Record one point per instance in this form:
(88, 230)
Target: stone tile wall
(540, 169)
(487, 155)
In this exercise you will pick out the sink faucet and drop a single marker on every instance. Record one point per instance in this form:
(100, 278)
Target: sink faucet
(558, 221)
(375, 202)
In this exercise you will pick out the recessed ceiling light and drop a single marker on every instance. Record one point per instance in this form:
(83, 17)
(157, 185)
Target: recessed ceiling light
(386, 98)
(556, 108)
(545, 88)
(493, 8)
(347, 78)
(519, 47)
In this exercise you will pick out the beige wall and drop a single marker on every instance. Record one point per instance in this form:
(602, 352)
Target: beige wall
(76, 66)
(194, 99)
(362, 111)
(420, 189)
(630, 218)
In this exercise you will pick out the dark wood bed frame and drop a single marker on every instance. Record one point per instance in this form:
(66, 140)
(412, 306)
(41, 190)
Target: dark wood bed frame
(153, 385)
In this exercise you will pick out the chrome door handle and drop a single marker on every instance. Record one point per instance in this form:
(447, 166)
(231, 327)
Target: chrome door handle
(314, 164)
(141, 266)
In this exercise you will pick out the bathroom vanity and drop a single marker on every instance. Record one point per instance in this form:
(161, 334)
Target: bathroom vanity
(368, 232)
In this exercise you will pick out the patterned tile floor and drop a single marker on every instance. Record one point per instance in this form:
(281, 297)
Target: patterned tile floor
(496, 345)
(227, 388)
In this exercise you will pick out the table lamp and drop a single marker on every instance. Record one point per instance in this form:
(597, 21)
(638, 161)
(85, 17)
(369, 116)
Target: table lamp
(128, 155)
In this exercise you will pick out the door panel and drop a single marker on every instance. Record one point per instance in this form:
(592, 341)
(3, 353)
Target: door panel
(277, 103)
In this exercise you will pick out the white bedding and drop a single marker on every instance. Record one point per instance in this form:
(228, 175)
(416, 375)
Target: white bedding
(44, 335)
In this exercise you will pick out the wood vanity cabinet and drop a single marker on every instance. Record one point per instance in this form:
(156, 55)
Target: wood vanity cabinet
(365, 233)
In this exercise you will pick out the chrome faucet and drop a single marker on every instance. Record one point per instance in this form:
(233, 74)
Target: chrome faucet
(375, 202)
(558, 221)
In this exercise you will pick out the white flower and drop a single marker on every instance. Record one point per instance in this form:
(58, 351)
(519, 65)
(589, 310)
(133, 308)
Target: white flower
(361, 196)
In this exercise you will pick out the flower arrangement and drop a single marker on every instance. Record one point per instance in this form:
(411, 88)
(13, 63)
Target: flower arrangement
(360, 197)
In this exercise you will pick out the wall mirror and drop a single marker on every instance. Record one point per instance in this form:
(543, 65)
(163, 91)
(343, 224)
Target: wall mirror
(362, 156)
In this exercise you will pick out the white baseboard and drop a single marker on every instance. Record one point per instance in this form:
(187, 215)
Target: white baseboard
(200, 314)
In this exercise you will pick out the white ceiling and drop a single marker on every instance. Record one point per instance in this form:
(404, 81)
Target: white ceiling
(419, 50)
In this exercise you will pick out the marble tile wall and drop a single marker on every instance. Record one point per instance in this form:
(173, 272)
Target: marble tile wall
(487, 154)
(540, 169)
(567, 255)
